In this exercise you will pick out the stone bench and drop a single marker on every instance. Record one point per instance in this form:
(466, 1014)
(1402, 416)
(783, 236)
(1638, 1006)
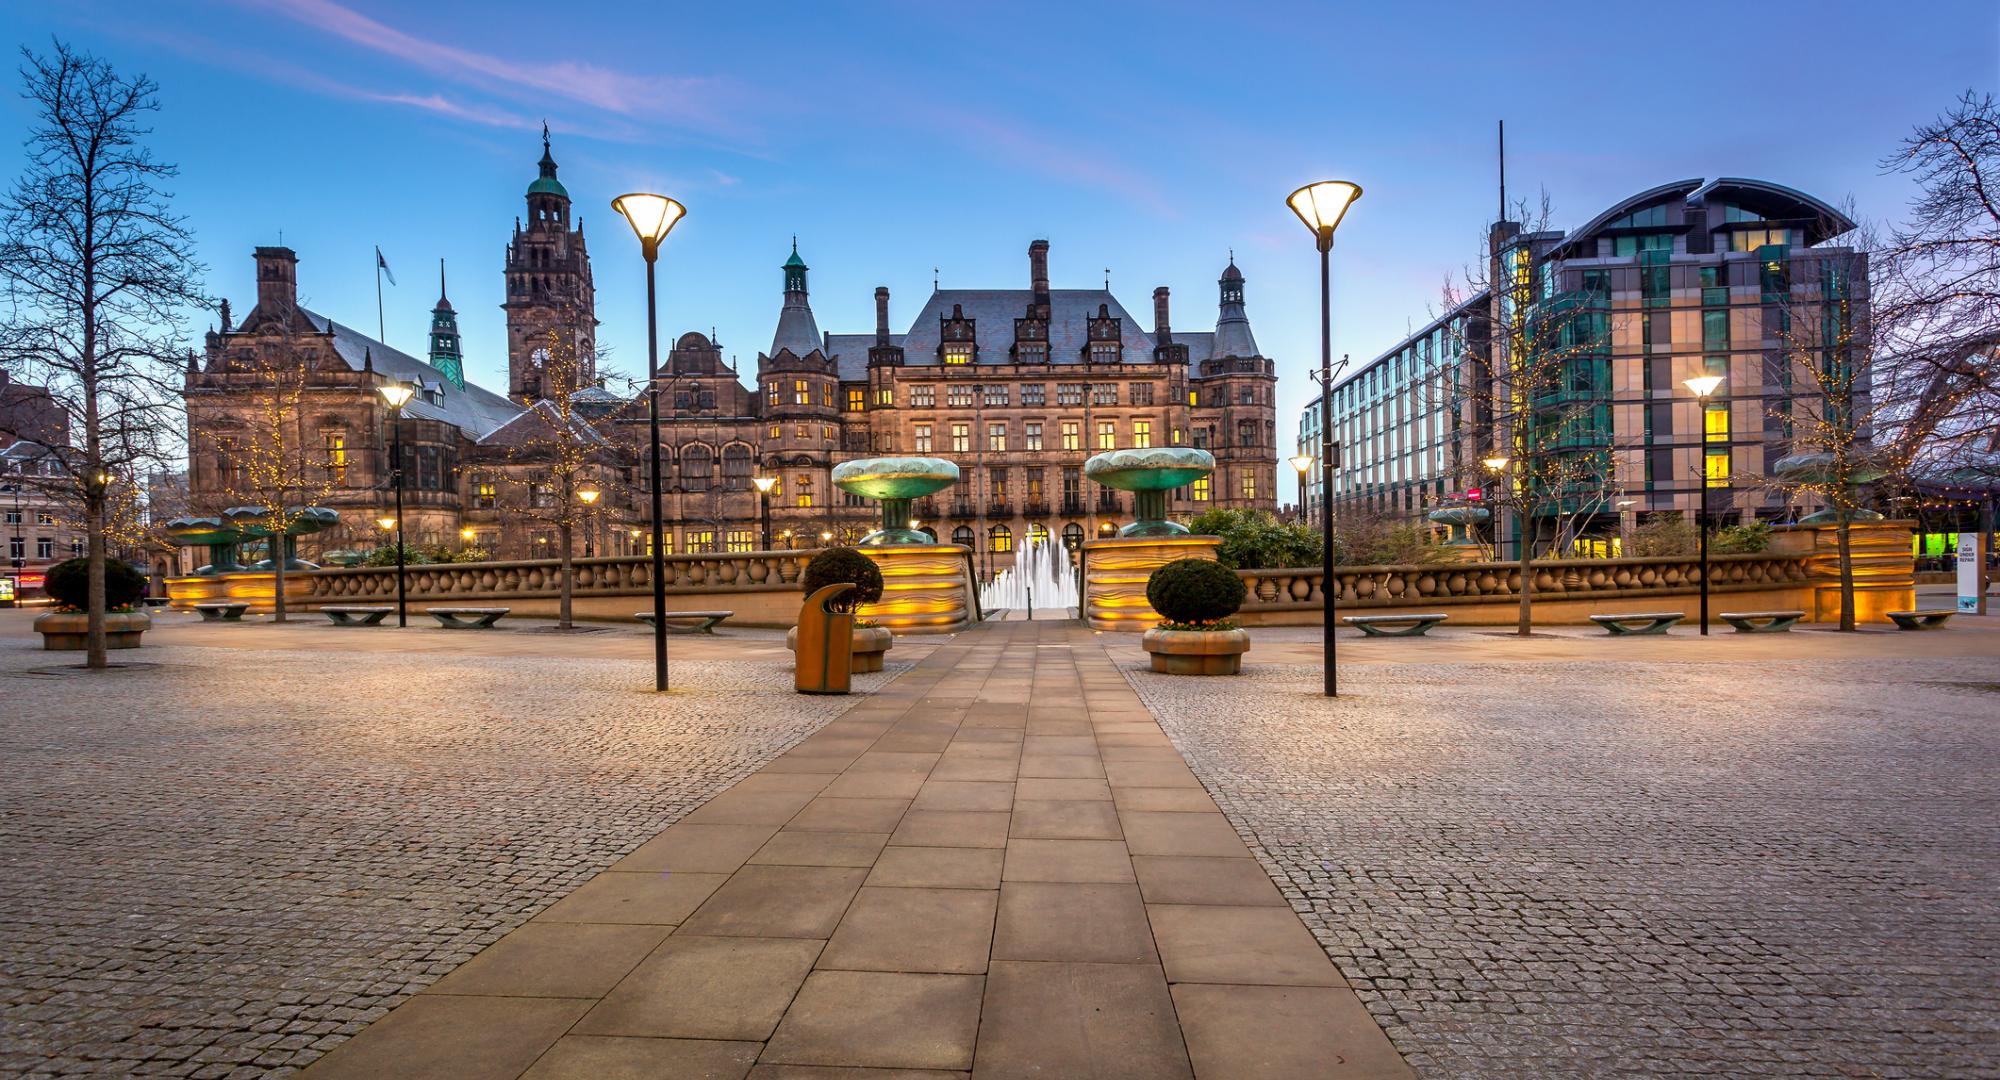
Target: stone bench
(467, 618)
(357, 616)
(687, 622)
(221, 611)
(1931, 619)
(1394, 625)
(154, 601)
(1639, 622)
(1761, 622)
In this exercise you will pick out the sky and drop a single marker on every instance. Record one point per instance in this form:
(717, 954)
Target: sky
(898, 140)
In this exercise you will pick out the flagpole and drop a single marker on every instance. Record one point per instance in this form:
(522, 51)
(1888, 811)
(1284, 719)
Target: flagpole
(381, 333)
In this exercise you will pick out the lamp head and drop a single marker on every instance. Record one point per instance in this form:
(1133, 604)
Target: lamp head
(1702, 386)
(652, 217)
(396, 394)
(467, 533)
(388, 523)
(589, 493)
(1497, 462)
(1303, 463)
(764, 483)
(1322, 205)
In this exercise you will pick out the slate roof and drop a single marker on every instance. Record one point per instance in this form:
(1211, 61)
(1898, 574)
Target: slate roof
(994, 312)
(475, 410)
(850, 353)
(539, 422)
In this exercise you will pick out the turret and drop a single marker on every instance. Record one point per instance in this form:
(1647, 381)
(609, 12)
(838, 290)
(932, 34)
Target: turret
(1232, 326)
(797, 329)
(446, 353)
(277, 279)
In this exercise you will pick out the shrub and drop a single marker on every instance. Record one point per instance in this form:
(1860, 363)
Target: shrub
(1195, 591)
(1664, 534)
(386, 556)
(68, 584)
(1741, 539)
(835, 565)
(1404, 544)
(1255, 540)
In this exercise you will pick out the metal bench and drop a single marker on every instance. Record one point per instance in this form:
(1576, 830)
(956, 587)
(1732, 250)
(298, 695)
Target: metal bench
(155, 601)
(1394, 625)
(1639, 622)
(467, 618)
(687, 622)
(221, 611)
(1931, 619)
(1761, 622)
(357, 616)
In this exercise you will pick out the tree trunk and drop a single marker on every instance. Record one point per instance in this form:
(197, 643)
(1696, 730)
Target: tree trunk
(94, 655)
(563, 612)
(278, 578)
(1527, 619)
(1846, 573)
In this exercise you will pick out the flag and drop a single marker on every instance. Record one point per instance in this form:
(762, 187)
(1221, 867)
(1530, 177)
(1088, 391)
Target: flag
(382, 264)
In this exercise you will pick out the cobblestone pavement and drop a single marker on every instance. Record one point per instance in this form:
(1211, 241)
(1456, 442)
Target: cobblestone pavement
(228, 862)
(1614, 868)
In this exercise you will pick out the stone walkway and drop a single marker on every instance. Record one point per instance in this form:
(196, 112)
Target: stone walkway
(997, 866)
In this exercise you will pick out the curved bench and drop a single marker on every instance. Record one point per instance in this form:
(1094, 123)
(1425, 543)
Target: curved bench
(467, 618)
(356, 616)
(221, 610)
(1395, 625)
(687, 622)
(1929, 619)
(1761, 622)
(1639, 622)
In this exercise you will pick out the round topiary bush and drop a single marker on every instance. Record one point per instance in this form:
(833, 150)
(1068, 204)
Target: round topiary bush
(68, 584)
(840, 564)
(1189, 591)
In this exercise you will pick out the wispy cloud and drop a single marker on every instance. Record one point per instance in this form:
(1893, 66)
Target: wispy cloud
(1022, 147)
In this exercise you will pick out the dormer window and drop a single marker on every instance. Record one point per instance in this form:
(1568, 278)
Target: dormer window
(1103, 352)
(958, 352)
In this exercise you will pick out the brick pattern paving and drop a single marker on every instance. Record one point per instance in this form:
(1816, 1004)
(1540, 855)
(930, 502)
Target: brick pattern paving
(995, 867)
(224, 864)
(1667, 869)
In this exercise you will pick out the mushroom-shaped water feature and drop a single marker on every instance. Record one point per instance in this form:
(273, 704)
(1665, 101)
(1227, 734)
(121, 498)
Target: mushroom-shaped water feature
(1823, 471)
(894, 481)
(254, 524)
(1149, 475)
(1460, 519)
(216, 534)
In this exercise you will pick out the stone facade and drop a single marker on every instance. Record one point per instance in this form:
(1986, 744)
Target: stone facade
(1018, 386)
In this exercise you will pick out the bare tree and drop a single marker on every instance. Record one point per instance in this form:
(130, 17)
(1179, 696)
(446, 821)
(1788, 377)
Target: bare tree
(1534, 387)
(276, 470)
(96, 268)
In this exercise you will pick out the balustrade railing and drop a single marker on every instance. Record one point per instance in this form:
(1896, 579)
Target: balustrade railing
(1555, 579)
(630, 575)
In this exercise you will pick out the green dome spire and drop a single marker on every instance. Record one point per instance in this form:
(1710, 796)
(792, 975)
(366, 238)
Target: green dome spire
(547, 184)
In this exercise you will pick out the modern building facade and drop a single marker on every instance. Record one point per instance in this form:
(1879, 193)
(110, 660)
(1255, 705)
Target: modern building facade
(1017, 386)
(1684, 279)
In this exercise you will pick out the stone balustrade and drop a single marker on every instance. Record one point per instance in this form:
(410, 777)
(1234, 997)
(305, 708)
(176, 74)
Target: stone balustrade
(630, 575)
(1488, 582)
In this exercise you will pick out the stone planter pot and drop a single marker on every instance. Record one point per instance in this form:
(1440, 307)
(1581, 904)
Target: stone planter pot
(1197, 652)
(69, 631)
(870, 642)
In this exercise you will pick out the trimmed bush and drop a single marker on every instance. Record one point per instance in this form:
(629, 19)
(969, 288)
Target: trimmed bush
(835, 565)
(68, 584)
(1194, 591)
(1741, 539)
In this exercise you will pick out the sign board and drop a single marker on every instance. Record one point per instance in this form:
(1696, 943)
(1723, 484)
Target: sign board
(1474, 494)
(6, 590)
(1970, 556)
(29, 582)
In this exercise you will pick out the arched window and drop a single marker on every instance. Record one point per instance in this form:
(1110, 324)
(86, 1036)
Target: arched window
(962, 535)
(736, 467)
(1002, 538)
(1038, 533)
(1072, 536)
(697, 468)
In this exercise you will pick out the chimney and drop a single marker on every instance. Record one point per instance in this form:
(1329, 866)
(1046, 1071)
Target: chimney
(881, 315)
(1038, 269)
(277, 278)
(1162, 333)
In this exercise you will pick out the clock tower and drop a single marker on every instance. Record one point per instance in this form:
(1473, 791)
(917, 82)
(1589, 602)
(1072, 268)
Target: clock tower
(551, 304)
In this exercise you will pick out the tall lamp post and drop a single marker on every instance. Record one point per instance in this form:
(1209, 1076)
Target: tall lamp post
(764, 485)
(1503, 485)
(1703, 388)
(1303, 463)
(652, 217)
(397, 395)
(589, 493)
(1321, 206)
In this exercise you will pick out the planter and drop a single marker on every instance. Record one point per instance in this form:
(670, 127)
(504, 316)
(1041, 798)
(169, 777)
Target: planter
(1197, 652)
(870, 642)
(69, 631)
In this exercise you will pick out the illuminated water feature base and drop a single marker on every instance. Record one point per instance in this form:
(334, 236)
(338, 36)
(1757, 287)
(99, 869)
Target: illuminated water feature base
(926, 586)
(1115, 569)
(223, 578)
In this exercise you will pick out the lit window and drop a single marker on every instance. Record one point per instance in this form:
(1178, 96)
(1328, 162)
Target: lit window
(923, 438)
(886, 396)
(1192, 395)
(1200, 490)
(1003, 538)
(336, 455)
(1038, 533)
(1107, 435)
(802, 486)
(857, 399)
(1071, 438)
(485, 494)
(996, 437)
(776, 431)
(826, 395)
(1142, 434)
(740, 540)
(1034, 435)
(1715, 466)
(961, 438)
(700, 541)
(958, 352)
(1715, 423)
(801, 392)
(1249, 485)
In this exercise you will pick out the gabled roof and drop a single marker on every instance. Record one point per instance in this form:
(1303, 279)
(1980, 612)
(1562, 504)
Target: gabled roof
(540, 420)
(994, 312)
(475, 410)
(850, 353)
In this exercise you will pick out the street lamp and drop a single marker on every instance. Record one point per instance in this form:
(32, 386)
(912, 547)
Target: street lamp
(1497, 497)
(652, 217)
(588, 494)
(1321, 206)
(1303, 463)
(396, 395)
(1703, 387)
(467, 534)
(764, 485)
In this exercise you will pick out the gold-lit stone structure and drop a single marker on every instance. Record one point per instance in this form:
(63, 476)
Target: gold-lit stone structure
(1115, 572)
(1885, 572)
(926, 588)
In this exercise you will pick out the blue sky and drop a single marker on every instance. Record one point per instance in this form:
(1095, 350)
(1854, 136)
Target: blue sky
(892, 138)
